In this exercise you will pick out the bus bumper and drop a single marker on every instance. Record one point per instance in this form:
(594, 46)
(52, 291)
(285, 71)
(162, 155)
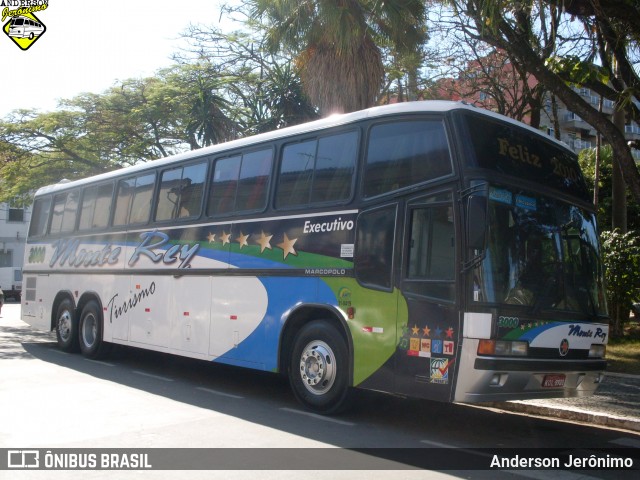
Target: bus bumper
(491, 379)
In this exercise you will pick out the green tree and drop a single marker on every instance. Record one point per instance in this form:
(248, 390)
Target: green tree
(621, 256)
(600, 55)
(337, 44)
(41, 148)
(200, 89)
(263, 90)
(138, 120)
(587, 160)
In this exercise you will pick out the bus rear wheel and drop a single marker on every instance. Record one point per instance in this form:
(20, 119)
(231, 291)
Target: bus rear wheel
(319, 368)
(67, 326)
(92, 344)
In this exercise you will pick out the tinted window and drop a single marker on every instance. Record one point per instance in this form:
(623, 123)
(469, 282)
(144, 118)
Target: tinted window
(374, 248)
(58, 212)
(317, 171)
(402, 154)
(65, 206)
(431, 252)
(39, 217)
(181, 192)
(96, 206)
(133, 202)
(254, 180)
(240, 183)
(515, 151)
(224, 186)
(296, 169)
(335, 165)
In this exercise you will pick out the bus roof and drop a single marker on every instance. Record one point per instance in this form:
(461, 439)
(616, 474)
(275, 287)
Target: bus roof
(425, 106)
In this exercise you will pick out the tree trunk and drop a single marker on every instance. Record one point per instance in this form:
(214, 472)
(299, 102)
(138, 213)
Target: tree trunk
(618, 188)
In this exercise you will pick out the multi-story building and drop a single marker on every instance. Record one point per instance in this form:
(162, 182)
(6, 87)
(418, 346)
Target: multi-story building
(14, 222)
(577, 133)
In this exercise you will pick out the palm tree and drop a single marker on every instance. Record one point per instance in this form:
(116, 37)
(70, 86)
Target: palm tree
(199, 86)
(337, 44)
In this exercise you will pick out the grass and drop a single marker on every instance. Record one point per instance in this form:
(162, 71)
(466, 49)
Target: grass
(623, 354)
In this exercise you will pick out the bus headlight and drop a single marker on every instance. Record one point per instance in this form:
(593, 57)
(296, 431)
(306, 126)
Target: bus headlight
(597, 351)
(503, 348)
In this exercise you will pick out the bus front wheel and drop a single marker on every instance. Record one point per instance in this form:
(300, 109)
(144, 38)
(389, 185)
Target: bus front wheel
(91, 332)
(319, 371)
(67, 326)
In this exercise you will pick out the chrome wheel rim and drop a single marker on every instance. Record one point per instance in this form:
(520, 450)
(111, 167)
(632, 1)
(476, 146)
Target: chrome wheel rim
(64, 325)
(318, 367)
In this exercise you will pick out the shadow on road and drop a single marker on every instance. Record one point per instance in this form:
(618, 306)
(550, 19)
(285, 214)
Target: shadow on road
(265, 399)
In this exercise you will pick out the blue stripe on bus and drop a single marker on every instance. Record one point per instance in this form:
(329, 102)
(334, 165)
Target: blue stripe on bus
(261, 346)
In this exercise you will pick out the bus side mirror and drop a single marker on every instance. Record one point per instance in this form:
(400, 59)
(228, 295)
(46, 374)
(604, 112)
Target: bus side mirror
(476, 222)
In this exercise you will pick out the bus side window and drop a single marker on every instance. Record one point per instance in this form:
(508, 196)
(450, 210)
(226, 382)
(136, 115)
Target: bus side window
(224, 185)
(58, 212)
(65, 206)
(133, 203)
(254, 180)
(402, 154)
(181, 192)
(317, 171)
(39, 217)
(431, 258)
(335, 165)
(96, 207)
(296, 173)
(375, 236)
(240, 183)
(141, 205)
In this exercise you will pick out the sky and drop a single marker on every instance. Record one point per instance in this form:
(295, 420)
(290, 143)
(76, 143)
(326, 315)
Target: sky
(89, 45)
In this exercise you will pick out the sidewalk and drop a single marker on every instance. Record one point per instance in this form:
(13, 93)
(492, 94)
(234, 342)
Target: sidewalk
(616, 404)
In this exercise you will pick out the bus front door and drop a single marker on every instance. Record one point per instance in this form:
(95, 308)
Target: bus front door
(428, 343)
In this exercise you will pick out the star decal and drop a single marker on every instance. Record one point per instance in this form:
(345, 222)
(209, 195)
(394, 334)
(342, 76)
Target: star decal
(242, 240)
(287, 246)
(438, 332)
(426, 331)
(415, 330)
(224, 238)
(264, 241)
(211, 237)
(449, 332)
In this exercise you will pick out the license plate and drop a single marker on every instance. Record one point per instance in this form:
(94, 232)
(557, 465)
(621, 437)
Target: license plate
(553, 381)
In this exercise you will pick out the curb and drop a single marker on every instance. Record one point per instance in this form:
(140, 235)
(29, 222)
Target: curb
(591, 418)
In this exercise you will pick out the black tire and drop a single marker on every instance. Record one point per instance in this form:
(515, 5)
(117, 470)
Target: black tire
(319, 368)
(67, 326)
(91, 330)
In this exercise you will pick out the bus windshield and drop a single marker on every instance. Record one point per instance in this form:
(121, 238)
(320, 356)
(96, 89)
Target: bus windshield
(542, 254)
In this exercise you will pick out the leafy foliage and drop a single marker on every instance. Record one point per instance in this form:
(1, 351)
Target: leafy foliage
(338, 46)
(211, 98)
(621, 256)
(587, 160)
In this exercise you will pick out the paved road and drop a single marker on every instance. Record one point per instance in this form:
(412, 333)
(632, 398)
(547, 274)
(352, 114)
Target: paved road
(135, 399)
